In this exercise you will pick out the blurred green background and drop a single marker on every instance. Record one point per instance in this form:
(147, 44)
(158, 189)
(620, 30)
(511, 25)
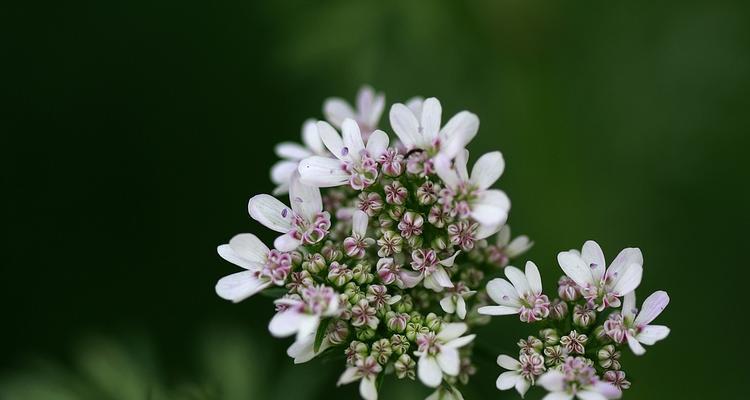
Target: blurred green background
(135, 131)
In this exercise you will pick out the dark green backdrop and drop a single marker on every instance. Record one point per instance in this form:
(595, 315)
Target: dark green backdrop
(134, 133)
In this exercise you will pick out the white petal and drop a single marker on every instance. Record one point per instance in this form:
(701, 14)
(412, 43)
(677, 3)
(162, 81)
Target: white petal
(558, 396)
(507, 380)
(239, 286)
(628, 306)
(458, 132)
(305, 199)
(332, 140)
(628, 280)
(409, 278)
(230, 255)
(249, 247)
(594, 257)
(377, 143)
(281, 188)
(652, 307)
(460, 163)
(371, 115)
(285, 323)
(311, 138)
(575, 268)
(518, 279)
(508, 362)
(498, 310)
(350, 375)
(533, 277)
(322, 172)
(292, 151)
(286, 243)
(518, 246)
(352, 139)
(367, 389)
(359, 223)
(429, 371)
(635, 347)
(308, 326)
(337, 110)
(302, 350)
(502, 292)
(590, 395)
(282, 171)
(490, 207)
(441, 277)
(449, 361)
(522, 386)
(503, 236)
(485, 231)
(461, 307)
(445, 171)
(608, 390)
(460, 342)
(415, 105)
(431, 112)
(487, 169)
(270, 212)
(631, 255)
(406, 126)
(552, 380)
(447, 304)
(652, 334)
(452, 330)
(448, 262)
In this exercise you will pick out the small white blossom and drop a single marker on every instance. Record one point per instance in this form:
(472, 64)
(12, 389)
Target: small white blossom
(455, 300)
(292, 153)
(602, 286)
(635, 325)
(369, 108)
(521, 373)
(438, 353)
(523, 296)
(365, 370)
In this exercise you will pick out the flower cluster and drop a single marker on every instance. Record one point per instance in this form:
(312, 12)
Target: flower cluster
(384, 256)
(577, 350)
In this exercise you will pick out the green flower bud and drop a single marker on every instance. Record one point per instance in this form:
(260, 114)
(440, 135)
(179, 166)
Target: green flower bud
(397, 322)
(530, 345)
(361, 274)
(404, 367)
(609, 357)
(331, 252)
(412, 330)
(554, 355)
(365, 334)
(314, 263)
(385, 221)
(439, 243)
(400, 344)
(382, 351)
(550, 337)
(396, 212)
(405, 305)
(415, 242)
(583, 316)
(339, 274)
(433, 322)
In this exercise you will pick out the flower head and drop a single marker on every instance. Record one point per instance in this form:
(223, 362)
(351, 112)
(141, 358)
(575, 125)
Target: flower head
(438, 353)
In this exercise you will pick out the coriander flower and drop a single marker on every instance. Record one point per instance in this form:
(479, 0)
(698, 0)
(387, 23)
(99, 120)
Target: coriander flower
(506, 249)
(521, 373)
(369, 108)
(305, 223)
(438, 353)
(523, 296)
(302, 315)
(355, 163)
(471, 193)
(602, 286)
(430, 269)
(455, 300)
(634, 326)
(292, 153)
(264, 267)
(365, 370)
(423, 131)
(577, 379)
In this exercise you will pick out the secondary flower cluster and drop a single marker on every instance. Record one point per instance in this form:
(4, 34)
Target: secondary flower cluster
(384, 254)
(582, 333)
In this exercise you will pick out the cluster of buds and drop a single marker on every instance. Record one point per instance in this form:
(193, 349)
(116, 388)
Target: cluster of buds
(577, 353)
(384, 255)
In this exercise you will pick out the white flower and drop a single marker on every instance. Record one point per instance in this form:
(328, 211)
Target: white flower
(423, 131)
(506, 249)
(487, 206)
(524, 296)
(455, 300)
(366, 371)
(520, 374)
(354, 163)
(602, 286)
(639, 331)
(264, 267)
(302, 315)
(430, 270)
(370, 106)
(305, 223)
(446, 393)
(291, 153)
(438, 354)
(562, 387)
